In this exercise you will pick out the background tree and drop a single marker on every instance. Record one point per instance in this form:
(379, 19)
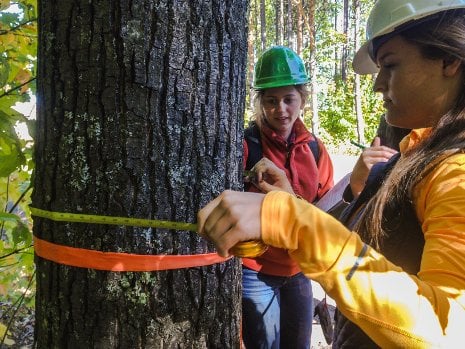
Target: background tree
(324, 33)
(139, 115)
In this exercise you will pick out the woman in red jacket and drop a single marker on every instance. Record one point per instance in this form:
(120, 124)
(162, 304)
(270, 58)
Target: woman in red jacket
(277, 297)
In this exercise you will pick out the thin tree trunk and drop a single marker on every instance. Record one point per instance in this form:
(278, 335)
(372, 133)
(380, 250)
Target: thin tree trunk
(311, 27)
(299, 29)
(140, 110)
(345, 47)
(289, 24)
(281, 22)
(357, 89)
(263, 24)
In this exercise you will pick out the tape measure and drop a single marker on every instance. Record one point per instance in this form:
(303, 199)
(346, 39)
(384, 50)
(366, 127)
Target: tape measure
(249, 249)
(113, 220)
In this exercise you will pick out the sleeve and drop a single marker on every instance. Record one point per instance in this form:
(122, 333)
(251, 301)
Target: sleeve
(325, 168)
(392, 307)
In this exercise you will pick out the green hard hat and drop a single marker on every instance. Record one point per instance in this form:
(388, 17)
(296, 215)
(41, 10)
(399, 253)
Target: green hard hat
(279, 66)
(388, 16)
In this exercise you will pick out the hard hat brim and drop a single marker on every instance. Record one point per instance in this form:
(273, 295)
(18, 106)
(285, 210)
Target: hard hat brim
(262, 85)
(362, 62)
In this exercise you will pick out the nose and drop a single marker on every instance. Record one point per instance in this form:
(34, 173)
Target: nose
(380, 82)
(281, 105)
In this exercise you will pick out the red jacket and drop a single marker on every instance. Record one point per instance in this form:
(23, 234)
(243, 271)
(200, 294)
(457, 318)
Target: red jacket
(307, 179)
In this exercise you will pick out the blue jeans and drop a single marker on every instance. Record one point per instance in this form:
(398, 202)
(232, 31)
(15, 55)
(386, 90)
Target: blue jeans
(277, 311)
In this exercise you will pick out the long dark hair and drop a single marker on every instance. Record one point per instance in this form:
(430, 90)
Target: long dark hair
(440, 38)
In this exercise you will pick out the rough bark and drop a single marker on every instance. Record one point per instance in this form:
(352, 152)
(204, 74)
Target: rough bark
(140, 108)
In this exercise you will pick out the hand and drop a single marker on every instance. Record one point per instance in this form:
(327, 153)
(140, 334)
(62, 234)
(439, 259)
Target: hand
(231, 218)
(270, 177)
(370, 156)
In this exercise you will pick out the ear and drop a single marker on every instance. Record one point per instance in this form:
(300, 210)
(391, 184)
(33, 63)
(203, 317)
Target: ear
(451, 66)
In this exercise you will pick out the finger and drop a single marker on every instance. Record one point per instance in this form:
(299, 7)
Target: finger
(219, 221)
(265, 187)
(205, 212)
(376, 142)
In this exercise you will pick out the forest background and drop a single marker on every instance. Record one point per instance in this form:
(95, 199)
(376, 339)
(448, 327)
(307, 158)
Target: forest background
(342, 107)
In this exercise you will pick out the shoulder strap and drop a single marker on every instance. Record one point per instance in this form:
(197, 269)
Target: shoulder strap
(313, 144)
(252, 137)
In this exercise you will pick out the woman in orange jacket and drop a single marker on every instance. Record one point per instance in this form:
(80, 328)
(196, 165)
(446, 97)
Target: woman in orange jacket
(397, 273)
(277, 299)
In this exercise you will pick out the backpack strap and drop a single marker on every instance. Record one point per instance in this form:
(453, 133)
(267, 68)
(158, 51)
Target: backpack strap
(313, 145)
(252, 137)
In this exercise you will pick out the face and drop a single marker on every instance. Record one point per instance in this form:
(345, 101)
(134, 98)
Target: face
(282, 106)
(416, 91)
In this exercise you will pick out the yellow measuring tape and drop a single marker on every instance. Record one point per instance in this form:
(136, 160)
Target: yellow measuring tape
(114, 220)
(243, 249)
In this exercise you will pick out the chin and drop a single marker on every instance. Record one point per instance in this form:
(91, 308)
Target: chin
(398, 121)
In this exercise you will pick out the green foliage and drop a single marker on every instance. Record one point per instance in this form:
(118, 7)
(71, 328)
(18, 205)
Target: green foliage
(337, 110)
(337, 113)
(18, 47)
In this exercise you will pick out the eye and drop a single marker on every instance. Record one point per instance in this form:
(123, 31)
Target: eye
(387, 64)
(290, 100)
(270, 101)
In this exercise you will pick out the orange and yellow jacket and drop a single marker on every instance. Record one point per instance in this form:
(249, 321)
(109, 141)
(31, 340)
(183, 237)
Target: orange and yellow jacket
(394, 308)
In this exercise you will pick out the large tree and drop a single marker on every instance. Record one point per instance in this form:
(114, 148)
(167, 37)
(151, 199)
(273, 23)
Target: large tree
(140, 108)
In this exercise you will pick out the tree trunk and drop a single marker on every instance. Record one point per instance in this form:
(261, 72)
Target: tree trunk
(140, 107)
(288, 21)
(299, 27)
(311, 27)
(281, 22)
(263, 24)
(345, 47)
(357, 88)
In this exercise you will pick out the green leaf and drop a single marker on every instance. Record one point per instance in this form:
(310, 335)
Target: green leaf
(8, 217)
(4, 71)
(21, 234)
(10, 157)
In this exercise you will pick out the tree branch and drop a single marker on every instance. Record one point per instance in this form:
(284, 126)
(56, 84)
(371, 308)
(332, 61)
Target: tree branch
(12, 29)
(17, 87)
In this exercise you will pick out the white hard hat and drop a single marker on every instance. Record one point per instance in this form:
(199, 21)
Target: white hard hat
(388, 15)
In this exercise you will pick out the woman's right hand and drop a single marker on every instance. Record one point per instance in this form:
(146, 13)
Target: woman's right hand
(370, 156)
(270, 177)
(231, 218)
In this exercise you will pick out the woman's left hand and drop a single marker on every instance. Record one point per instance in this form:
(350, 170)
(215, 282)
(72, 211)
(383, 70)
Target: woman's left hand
(270, 177)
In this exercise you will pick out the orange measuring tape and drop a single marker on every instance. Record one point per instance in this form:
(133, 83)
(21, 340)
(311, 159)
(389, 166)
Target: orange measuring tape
(116, 261)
